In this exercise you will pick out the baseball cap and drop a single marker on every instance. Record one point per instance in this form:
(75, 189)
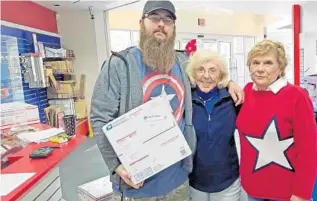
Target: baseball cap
(151, 6)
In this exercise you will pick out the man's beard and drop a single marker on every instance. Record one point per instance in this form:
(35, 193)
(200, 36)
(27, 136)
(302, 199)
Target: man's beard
(157, 53)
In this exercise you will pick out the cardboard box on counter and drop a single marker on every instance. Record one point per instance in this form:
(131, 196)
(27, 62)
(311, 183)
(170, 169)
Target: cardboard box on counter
(18, 113)
(97, 190)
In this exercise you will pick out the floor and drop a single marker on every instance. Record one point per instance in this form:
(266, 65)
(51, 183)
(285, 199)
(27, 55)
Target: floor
(89, 165)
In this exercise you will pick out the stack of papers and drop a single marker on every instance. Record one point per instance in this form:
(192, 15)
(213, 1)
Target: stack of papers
(98, 189)
(40, 136)
(10, 144)
(9, 182)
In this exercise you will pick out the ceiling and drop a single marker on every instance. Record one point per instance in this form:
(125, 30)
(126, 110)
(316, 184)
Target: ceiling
(280, 9)
(269, 7)
(84, 4)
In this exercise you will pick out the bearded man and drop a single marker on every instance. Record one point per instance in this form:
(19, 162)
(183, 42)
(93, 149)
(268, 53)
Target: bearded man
(134, 76)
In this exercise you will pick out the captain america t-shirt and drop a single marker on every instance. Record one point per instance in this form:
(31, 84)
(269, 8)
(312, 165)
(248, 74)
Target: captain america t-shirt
(169, 85)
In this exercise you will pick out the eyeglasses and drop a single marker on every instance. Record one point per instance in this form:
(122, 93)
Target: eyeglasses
(202, 71)
(157, 18)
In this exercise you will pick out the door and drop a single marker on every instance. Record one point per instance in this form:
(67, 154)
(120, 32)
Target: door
(217, 43)
(222, 45)
(209, 44)
(224, 49)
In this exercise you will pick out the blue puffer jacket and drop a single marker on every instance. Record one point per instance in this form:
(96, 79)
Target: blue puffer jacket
(216, 164)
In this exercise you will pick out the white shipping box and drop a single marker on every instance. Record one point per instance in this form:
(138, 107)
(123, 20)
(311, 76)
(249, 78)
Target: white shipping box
(18, 113)
(147, 139)
(97, 190)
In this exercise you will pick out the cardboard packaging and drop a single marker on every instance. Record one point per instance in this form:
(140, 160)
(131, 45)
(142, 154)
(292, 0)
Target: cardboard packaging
(54, 115)
(18, 113)
(66, 87)
(97, 190)
(60, 66)
(69, 88)
(147, 139)
(81, 109)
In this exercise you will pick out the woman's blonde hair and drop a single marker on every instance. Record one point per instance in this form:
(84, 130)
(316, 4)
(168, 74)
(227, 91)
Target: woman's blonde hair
(266, 46)
(202, 56)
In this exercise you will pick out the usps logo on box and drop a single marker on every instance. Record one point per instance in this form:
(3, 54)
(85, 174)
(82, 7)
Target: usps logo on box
(109, 127)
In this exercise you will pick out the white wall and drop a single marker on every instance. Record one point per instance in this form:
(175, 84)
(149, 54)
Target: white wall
(286, 38)
(101, 25)
(308, 43)
(236, 23)
(87, 38)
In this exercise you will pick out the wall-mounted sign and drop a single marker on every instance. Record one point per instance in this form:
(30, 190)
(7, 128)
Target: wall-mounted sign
(201, 22)
(200, 35)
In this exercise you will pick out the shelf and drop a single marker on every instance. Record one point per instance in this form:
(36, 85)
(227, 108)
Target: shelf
(63, 73)
(47, 59)
(63, 96)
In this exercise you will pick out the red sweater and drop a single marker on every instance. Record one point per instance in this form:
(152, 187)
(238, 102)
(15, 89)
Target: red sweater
(278, 143)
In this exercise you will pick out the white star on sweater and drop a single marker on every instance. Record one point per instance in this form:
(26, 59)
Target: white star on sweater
(271, 149)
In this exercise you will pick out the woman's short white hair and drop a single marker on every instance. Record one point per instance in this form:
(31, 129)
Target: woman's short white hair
(202, 56)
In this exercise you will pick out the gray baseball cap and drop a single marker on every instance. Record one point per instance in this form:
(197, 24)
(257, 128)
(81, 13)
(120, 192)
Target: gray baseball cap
(153, 5)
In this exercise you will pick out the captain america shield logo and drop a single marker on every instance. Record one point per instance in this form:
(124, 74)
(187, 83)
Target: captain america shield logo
(168, 86)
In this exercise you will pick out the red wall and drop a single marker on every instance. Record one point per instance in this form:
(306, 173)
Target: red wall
(296, 41)
(29, 14)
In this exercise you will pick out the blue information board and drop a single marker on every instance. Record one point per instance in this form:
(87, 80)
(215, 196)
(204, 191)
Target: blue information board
(25, 44)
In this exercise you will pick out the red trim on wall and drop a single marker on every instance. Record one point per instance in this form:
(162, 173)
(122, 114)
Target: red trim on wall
(296, 41)
(82, 127)
(29, 14)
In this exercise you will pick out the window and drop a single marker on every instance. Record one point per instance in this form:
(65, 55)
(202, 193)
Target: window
(120, 40)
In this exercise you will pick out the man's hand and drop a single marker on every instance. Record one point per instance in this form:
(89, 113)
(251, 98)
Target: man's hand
(296, 198)
(121, 171)
(236, 93)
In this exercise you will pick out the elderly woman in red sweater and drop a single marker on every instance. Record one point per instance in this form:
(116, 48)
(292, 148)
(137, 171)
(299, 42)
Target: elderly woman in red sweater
(277, 131)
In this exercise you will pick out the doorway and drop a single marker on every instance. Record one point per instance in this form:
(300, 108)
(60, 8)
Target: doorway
(234, 49)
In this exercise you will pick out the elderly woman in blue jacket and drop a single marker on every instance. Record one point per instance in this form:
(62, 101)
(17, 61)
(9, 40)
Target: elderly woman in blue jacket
(215, 176)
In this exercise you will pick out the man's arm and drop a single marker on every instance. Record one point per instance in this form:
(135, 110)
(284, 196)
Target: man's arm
(105, 107)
